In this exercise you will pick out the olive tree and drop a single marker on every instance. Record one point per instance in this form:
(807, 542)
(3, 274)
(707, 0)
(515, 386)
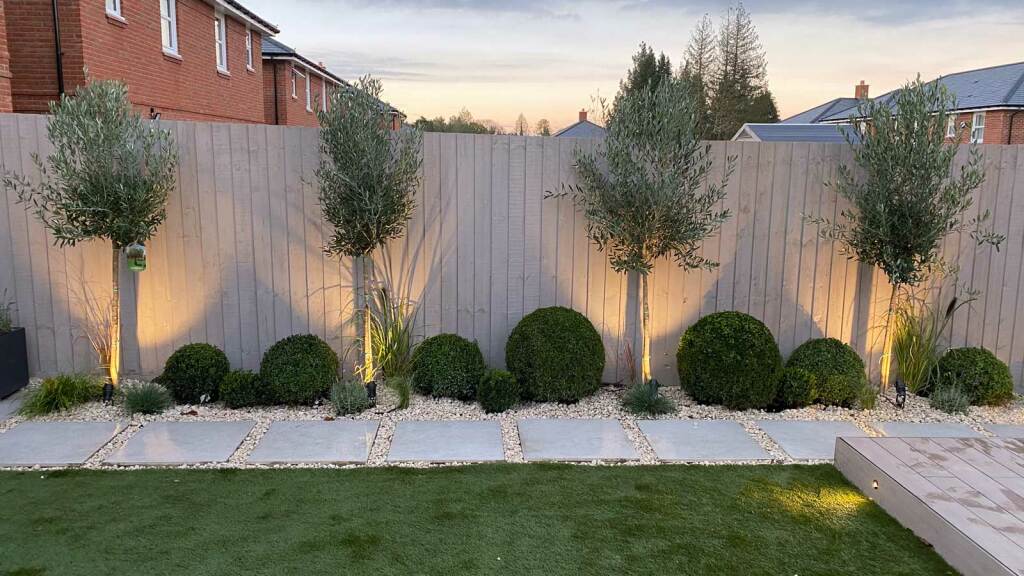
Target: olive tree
(648, 195)
(368, 175)
(107, 178)
(904, 195)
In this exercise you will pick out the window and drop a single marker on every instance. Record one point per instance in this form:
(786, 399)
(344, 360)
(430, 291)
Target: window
(114, 8)
(951, 126)
(168, 25)
(978, 128)
(248, 49)
(295, 75)
(220, 35)
(323, 95)
(309, 96)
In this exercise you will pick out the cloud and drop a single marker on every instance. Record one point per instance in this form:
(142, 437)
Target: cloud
(527, 7)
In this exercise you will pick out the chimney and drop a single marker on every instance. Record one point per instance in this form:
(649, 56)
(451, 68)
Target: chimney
(583, 115)
(860, 91)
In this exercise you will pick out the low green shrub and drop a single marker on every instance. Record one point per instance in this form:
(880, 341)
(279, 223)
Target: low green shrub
(867, 398)
(643, 399)
(448, 365)
(837, 369)
(146, 398)
(61, 393)
(985, 379)
(402, 387)
(349, 397)
(299, 369)
(556, 355)
(950, 398)
(730, 358)
(194, 372)
(796, 389)
(242, 388)
(498, 391)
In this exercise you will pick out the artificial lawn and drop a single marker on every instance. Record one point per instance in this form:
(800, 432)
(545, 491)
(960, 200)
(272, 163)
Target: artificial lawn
(486, 519)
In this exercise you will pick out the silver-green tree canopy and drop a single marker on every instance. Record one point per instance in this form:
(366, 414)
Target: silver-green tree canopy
(904, 195)
(107, 178)
(368, 174)
(648, 196)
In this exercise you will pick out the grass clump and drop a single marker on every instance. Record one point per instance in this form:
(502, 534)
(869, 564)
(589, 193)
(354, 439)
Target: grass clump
(146, 398)
(349, 397)
(498, 391)
(448, 365)
(61, 393)
(643, 398)
(917, 334)
(985, 379)
(402, 387)
(194, 372)
(299, 369)
(950, 398)
(243, 388)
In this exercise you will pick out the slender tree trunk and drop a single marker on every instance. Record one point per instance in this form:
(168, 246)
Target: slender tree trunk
(645, 329)
(887, 347)
(367, 337)
(115, 318)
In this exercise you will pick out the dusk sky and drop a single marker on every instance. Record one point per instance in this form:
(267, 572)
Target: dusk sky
(547, 59)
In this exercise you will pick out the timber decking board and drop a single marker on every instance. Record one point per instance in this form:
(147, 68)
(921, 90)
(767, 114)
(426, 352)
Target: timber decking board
(962, 495)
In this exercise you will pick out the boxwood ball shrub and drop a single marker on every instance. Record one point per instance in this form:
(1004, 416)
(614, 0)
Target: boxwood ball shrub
(837, 369)
(796, 389)
(194, 372)
(299, 369)
(448, 365)
(242, 388)
(498, 391)
(730, 358)
(556, 355)
(983, 378)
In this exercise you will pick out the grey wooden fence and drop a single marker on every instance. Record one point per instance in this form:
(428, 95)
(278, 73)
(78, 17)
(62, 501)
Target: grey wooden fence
(239, 264)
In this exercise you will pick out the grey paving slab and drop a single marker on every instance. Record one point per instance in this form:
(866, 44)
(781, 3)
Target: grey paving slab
(173, 443)
(9, 406)
(316, 441)
(54, 443)
(925, 430)
(447, 441)
(1006, 430)
(809, 439)
(575, 440)
(701, 440)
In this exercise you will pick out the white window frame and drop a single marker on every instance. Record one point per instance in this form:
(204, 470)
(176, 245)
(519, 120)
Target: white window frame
(220, 40)
(978, 128)
(114, 8)
(248, 48)
(323, 94)
(951, 126)
(295, 74)
(309, 94)
(170, 19)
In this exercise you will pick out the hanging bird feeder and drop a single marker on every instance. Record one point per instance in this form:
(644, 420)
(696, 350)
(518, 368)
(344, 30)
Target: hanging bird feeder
(136, 254)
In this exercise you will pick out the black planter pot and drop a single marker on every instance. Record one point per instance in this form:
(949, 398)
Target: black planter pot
(13, 362)
(371, 392)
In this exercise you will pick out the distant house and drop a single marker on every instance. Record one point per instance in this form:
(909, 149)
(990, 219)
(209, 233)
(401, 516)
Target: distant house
(582, 129)
(789, 133)
(990, 102)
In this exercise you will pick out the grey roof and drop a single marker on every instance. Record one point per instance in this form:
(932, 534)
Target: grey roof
(793, 132)
(993, 87)
(250, 14)
(821, 111)
(583, 129)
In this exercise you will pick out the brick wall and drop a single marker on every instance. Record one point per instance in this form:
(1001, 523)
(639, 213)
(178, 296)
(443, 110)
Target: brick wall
(997, 126)
(290, 111)
(184, 87)
(6, 103)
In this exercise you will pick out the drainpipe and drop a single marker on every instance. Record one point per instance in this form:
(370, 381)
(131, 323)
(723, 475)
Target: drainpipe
(1009, 130)
(57, 49)
(277, 120)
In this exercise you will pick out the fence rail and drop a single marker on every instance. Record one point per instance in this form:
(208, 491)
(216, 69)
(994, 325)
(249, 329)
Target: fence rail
(239, 264)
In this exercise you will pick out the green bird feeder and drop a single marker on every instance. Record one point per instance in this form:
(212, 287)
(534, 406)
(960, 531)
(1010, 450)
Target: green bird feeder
(136, 254)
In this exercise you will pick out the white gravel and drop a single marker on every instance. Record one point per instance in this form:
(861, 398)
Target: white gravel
(606, 403)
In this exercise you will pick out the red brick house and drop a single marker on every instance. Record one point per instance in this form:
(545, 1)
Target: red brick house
(181, 59)
(295, 88)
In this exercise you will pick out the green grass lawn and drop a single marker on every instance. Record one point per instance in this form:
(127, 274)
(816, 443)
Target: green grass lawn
(495, 519)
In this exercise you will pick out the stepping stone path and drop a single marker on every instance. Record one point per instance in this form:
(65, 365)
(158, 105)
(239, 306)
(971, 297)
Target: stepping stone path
(175, 443)
(808, 439)
(575, 440)
(701, 441)
(1006, 430)
(317, 441)
(9, 406)
(447, 441)
(54, 443)
(925, 430)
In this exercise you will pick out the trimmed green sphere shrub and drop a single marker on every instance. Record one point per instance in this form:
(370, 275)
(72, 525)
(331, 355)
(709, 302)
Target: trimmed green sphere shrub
(556, 355)
(837, 369)
(193, 372)
(299, 369)
(796, 389)
(730, 358)
(498, 391)
(985, 379)
(447, 365)
(242, 388)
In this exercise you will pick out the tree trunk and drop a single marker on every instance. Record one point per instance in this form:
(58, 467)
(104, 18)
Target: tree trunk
(887, 347)
(115, 318)
(645, 329)
(367, 337)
